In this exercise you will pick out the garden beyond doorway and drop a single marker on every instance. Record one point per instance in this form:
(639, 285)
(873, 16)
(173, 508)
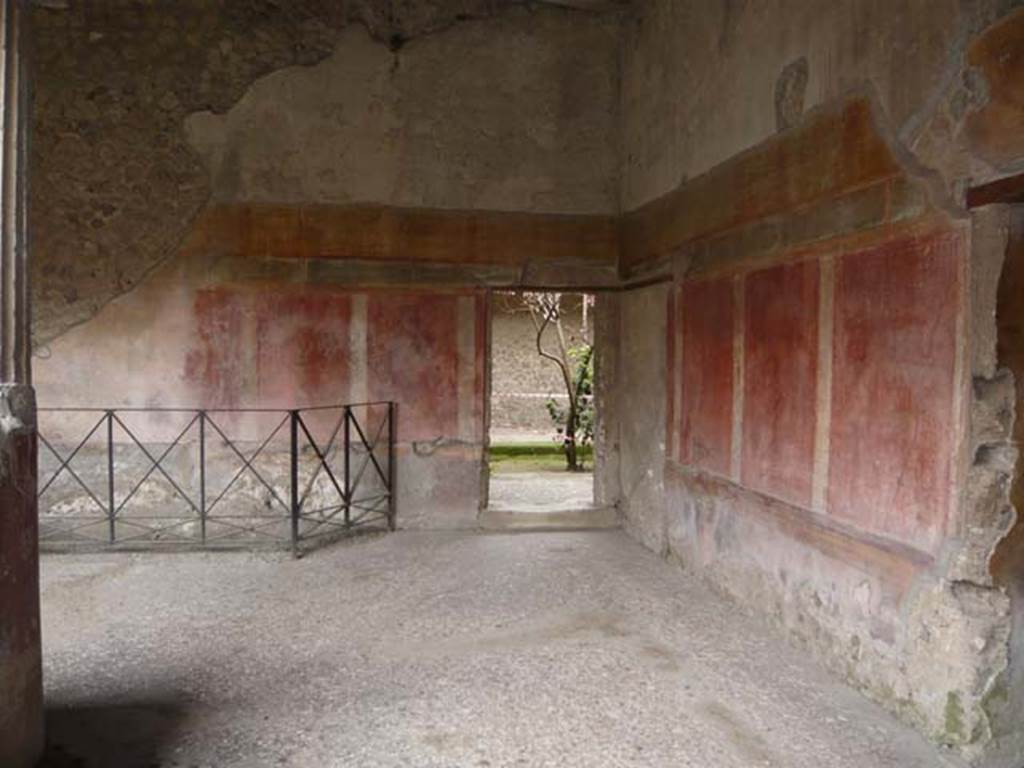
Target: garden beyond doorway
(542, 408)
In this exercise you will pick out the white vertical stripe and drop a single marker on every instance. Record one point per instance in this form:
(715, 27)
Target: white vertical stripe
(823, 398)
(357, 355)
(676, 432)
(736, 454)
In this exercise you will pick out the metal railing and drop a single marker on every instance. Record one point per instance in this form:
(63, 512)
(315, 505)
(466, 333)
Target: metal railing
(212, 478)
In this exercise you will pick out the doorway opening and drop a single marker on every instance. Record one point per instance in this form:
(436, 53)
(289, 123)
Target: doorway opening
(543, 411)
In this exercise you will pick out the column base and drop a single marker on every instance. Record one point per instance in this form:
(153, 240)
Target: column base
(21, 679)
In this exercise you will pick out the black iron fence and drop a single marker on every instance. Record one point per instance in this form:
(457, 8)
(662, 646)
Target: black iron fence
(157, 477)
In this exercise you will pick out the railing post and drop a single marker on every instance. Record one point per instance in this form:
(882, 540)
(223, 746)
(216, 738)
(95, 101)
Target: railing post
(348, 450)
(294, 418)
(392, 510)
(202, 475)
(111, 511)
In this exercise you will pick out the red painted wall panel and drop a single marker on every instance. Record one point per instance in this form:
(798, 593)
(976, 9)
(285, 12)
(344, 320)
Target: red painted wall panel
(214, 361)
(279, 348)
(780, 378)
(707, 310)
(302, 341)
(412, 352)
(287, 347)
(893, 385)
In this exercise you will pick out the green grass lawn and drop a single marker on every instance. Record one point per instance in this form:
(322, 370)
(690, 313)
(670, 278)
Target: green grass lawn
(540, 456)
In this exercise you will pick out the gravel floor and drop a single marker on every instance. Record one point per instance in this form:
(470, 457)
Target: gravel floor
(435, 649)
(541, 491)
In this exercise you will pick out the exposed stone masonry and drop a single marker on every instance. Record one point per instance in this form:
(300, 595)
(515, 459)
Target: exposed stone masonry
(116, 187)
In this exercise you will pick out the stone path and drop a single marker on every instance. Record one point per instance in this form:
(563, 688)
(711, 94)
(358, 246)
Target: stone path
(541, 491)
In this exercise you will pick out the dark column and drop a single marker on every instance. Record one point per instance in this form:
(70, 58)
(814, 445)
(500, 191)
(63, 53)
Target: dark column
(21, 705)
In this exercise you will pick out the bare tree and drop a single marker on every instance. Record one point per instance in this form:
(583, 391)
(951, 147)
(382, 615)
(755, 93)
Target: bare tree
(546, 312)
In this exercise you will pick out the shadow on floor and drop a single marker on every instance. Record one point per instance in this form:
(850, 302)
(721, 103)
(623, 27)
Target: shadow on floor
(127, 734)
